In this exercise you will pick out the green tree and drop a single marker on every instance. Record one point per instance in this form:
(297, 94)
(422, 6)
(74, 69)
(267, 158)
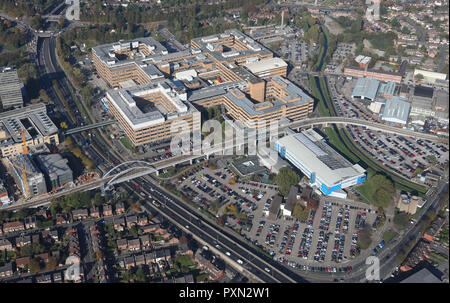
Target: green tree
(34, 265)
(285, 179)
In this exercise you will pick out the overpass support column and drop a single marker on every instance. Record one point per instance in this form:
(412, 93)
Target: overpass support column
(191, 161)
(325, 124)
(207, 157)
(157, 172)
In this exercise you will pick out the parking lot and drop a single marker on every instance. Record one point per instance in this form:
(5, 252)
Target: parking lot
(205, 185)
(327, 239)
(400, 154)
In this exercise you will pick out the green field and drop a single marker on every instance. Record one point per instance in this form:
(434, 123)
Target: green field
(127, 144)
(389, 235)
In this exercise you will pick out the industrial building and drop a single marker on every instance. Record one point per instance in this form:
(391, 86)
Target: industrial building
(229, 70)
(431, 77)
(56, 170)
(365, 72)
(366, 88)
(37, 127)
(326, 169)
(422, 101)
(34, 177)
(10, 89)
(396, 111)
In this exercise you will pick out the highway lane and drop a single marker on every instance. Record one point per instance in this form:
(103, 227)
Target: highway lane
(209, 234)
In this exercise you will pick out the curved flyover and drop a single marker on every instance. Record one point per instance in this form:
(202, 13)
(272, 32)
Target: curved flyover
(369, 124)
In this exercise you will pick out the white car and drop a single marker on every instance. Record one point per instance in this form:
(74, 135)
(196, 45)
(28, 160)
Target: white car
(228, 253)
(267, 269)
(240, 261)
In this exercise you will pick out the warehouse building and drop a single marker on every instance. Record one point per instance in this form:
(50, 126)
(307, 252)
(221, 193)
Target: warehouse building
(10, 89)
(396, 111)
(430, 77)
(366, 89)
(37, 126)
(326, 169)
(56, 170)
(34, 177)
(422, 101)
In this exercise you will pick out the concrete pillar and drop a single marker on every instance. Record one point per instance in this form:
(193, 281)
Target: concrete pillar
(157, 172)
(191, 161)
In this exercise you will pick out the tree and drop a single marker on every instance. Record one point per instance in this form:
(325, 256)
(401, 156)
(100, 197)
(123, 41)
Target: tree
(418, 77)
(34, 265)
(285, 179)
(300, 212)
(37, 22)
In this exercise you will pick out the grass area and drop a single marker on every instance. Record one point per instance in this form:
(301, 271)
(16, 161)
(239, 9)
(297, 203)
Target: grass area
(334, 140)
(389, 235)
(186, 261)
(438, 258)
(443, 235)
(127, 144)
(320, 104)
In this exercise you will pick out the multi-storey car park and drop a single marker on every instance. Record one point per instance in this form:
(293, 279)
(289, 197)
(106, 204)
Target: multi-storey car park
(37, 127)
(229, 70)
(325, 168)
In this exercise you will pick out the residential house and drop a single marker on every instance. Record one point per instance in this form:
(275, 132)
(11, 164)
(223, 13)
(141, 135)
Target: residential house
(107, 210)
(120, 208)
(9, 227)
(119, 223)
(129, 262)
(80, 214)
(139, 259)
(60, 220)
(145, 241)
(142, 220)
(22, 262)
(6, 270)
(122, 244)
(23, 240)
(134, 244)
(131, 220)
(150, 228)
(30, 222)
(95, 212)
(5, 244)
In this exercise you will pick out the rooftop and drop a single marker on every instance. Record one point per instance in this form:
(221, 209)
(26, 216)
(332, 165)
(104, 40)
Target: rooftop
(311, 149)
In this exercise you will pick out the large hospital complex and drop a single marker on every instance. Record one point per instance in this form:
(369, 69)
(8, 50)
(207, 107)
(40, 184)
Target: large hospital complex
(153, 88)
